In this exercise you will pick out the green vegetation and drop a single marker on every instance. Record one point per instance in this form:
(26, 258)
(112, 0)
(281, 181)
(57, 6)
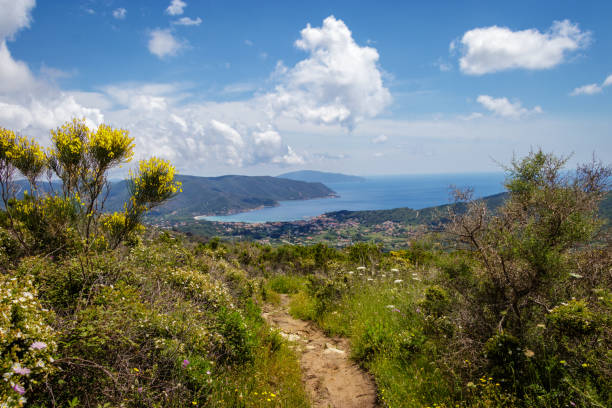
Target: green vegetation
(514, 311)
(97, 312)
(510, 307)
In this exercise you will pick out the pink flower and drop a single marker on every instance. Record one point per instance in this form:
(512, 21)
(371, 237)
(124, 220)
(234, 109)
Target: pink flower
(22, 370)
(19, 389)
(38, 345)
(185, 363)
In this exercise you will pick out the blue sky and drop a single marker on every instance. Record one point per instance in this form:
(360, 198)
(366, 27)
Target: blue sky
(362, 87)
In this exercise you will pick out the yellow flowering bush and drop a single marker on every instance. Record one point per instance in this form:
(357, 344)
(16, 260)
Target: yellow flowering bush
(153, 183)
(27, 341)
(80, 157)
(22, 154)
(109, 146)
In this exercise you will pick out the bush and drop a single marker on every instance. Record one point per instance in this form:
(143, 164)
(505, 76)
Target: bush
(436, 302)
(573, 318)
(27, 341)
(504, 353)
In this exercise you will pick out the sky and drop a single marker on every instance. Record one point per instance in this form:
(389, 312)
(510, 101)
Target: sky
(360, 87)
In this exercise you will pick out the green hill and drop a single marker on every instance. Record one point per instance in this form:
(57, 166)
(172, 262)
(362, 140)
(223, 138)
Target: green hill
(225, 194)
(433, 215)
(320, 177)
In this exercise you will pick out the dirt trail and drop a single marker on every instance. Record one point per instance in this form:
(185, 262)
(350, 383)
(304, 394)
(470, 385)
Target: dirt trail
(331, 378)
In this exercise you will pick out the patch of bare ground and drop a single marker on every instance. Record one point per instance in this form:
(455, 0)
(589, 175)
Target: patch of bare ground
(330, 377)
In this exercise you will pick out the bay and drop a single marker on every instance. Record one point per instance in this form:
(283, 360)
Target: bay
(375, 193)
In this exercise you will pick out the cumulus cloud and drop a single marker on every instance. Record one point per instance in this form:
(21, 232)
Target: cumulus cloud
(162, 43)
(592, 89)
(339, 82)
(503, 107)
(16, 14)
(380, 139)
(491, 49)
(120, 13)
(28, 103)
(186, 21)
(176, 7)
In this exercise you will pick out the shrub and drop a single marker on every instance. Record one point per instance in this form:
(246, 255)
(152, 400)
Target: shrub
(505, 356)
(436, 302)
(573, 318)
(27, 342)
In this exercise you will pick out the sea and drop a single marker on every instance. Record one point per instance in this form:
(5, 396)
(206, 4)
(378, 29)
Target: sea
(375, 193)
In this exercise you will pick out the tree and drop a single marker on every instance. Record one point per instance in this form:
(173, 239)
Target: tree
(44, 220)
(527, 243)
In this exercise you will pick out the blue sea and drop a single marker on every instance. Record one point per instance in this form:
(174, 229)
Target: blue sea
(376, 193)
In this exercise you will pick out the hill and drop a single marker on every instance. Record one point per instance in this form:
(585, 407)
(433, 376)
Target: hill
(320, 177)
(405, 215)
(430, 215)
(225, 194)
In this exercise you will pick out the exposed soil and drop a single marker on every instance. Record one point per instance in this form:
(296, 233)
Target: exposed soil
(330, 377)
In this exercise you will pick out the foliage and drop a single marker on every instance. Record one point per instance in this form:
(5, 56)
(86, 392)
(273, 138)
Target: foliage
(72, 220)
(27, 341)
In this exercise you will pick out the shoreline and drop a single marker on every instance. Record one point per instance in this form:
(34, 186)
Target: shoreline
(260, 207)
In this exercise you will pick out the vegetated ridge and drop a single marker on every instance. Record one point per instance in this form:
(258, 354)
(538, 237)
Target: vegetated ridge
(320, 177)
(226, 194)
(437, 214)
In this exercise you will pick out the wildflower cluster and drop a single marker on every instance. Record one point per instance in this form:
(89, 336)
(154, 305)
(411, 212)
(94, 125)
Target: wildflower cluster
(153, 183)
(26, 340)
(199, 286)
(109, 146)
(22, 153)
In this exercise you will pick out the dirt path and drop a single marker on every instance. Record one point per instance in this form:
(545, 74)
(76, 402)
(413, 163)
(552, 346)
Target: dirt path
(331, 378)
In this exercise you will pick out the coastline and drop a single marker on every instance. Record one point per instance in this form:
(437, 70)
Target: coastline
(259, 207)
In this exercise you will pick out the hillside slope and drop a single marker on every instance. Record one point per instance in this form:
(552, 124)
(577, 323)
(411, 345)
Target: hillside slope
(225, 194)
(436, 214)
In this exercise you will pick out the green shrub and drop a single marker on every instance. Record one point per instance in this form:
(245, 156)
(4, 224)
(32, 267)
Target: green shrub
(573, 318)
(289, 284)
(436, 302)
(27, 341)
(235, 344)
(504, 353)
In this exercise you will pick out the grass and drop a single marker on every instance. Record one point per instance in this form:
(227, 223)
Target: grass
(381, 319)
(287, 284)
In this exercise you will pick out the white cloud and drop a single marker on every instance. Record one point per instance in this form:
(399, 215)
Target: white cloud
(27, 103)
(186, 21)
(471, 116)
(176, 7)
(290, 158)
(503, 107)
(120, 13)
(339, 82)
(491, 49)
(590, 89)
(380, 139)
(162, 43)
(16, 14)
(248, 42)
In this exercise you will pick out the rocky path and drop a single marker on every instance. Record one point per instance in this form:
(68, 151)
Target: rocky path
(330, 377)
